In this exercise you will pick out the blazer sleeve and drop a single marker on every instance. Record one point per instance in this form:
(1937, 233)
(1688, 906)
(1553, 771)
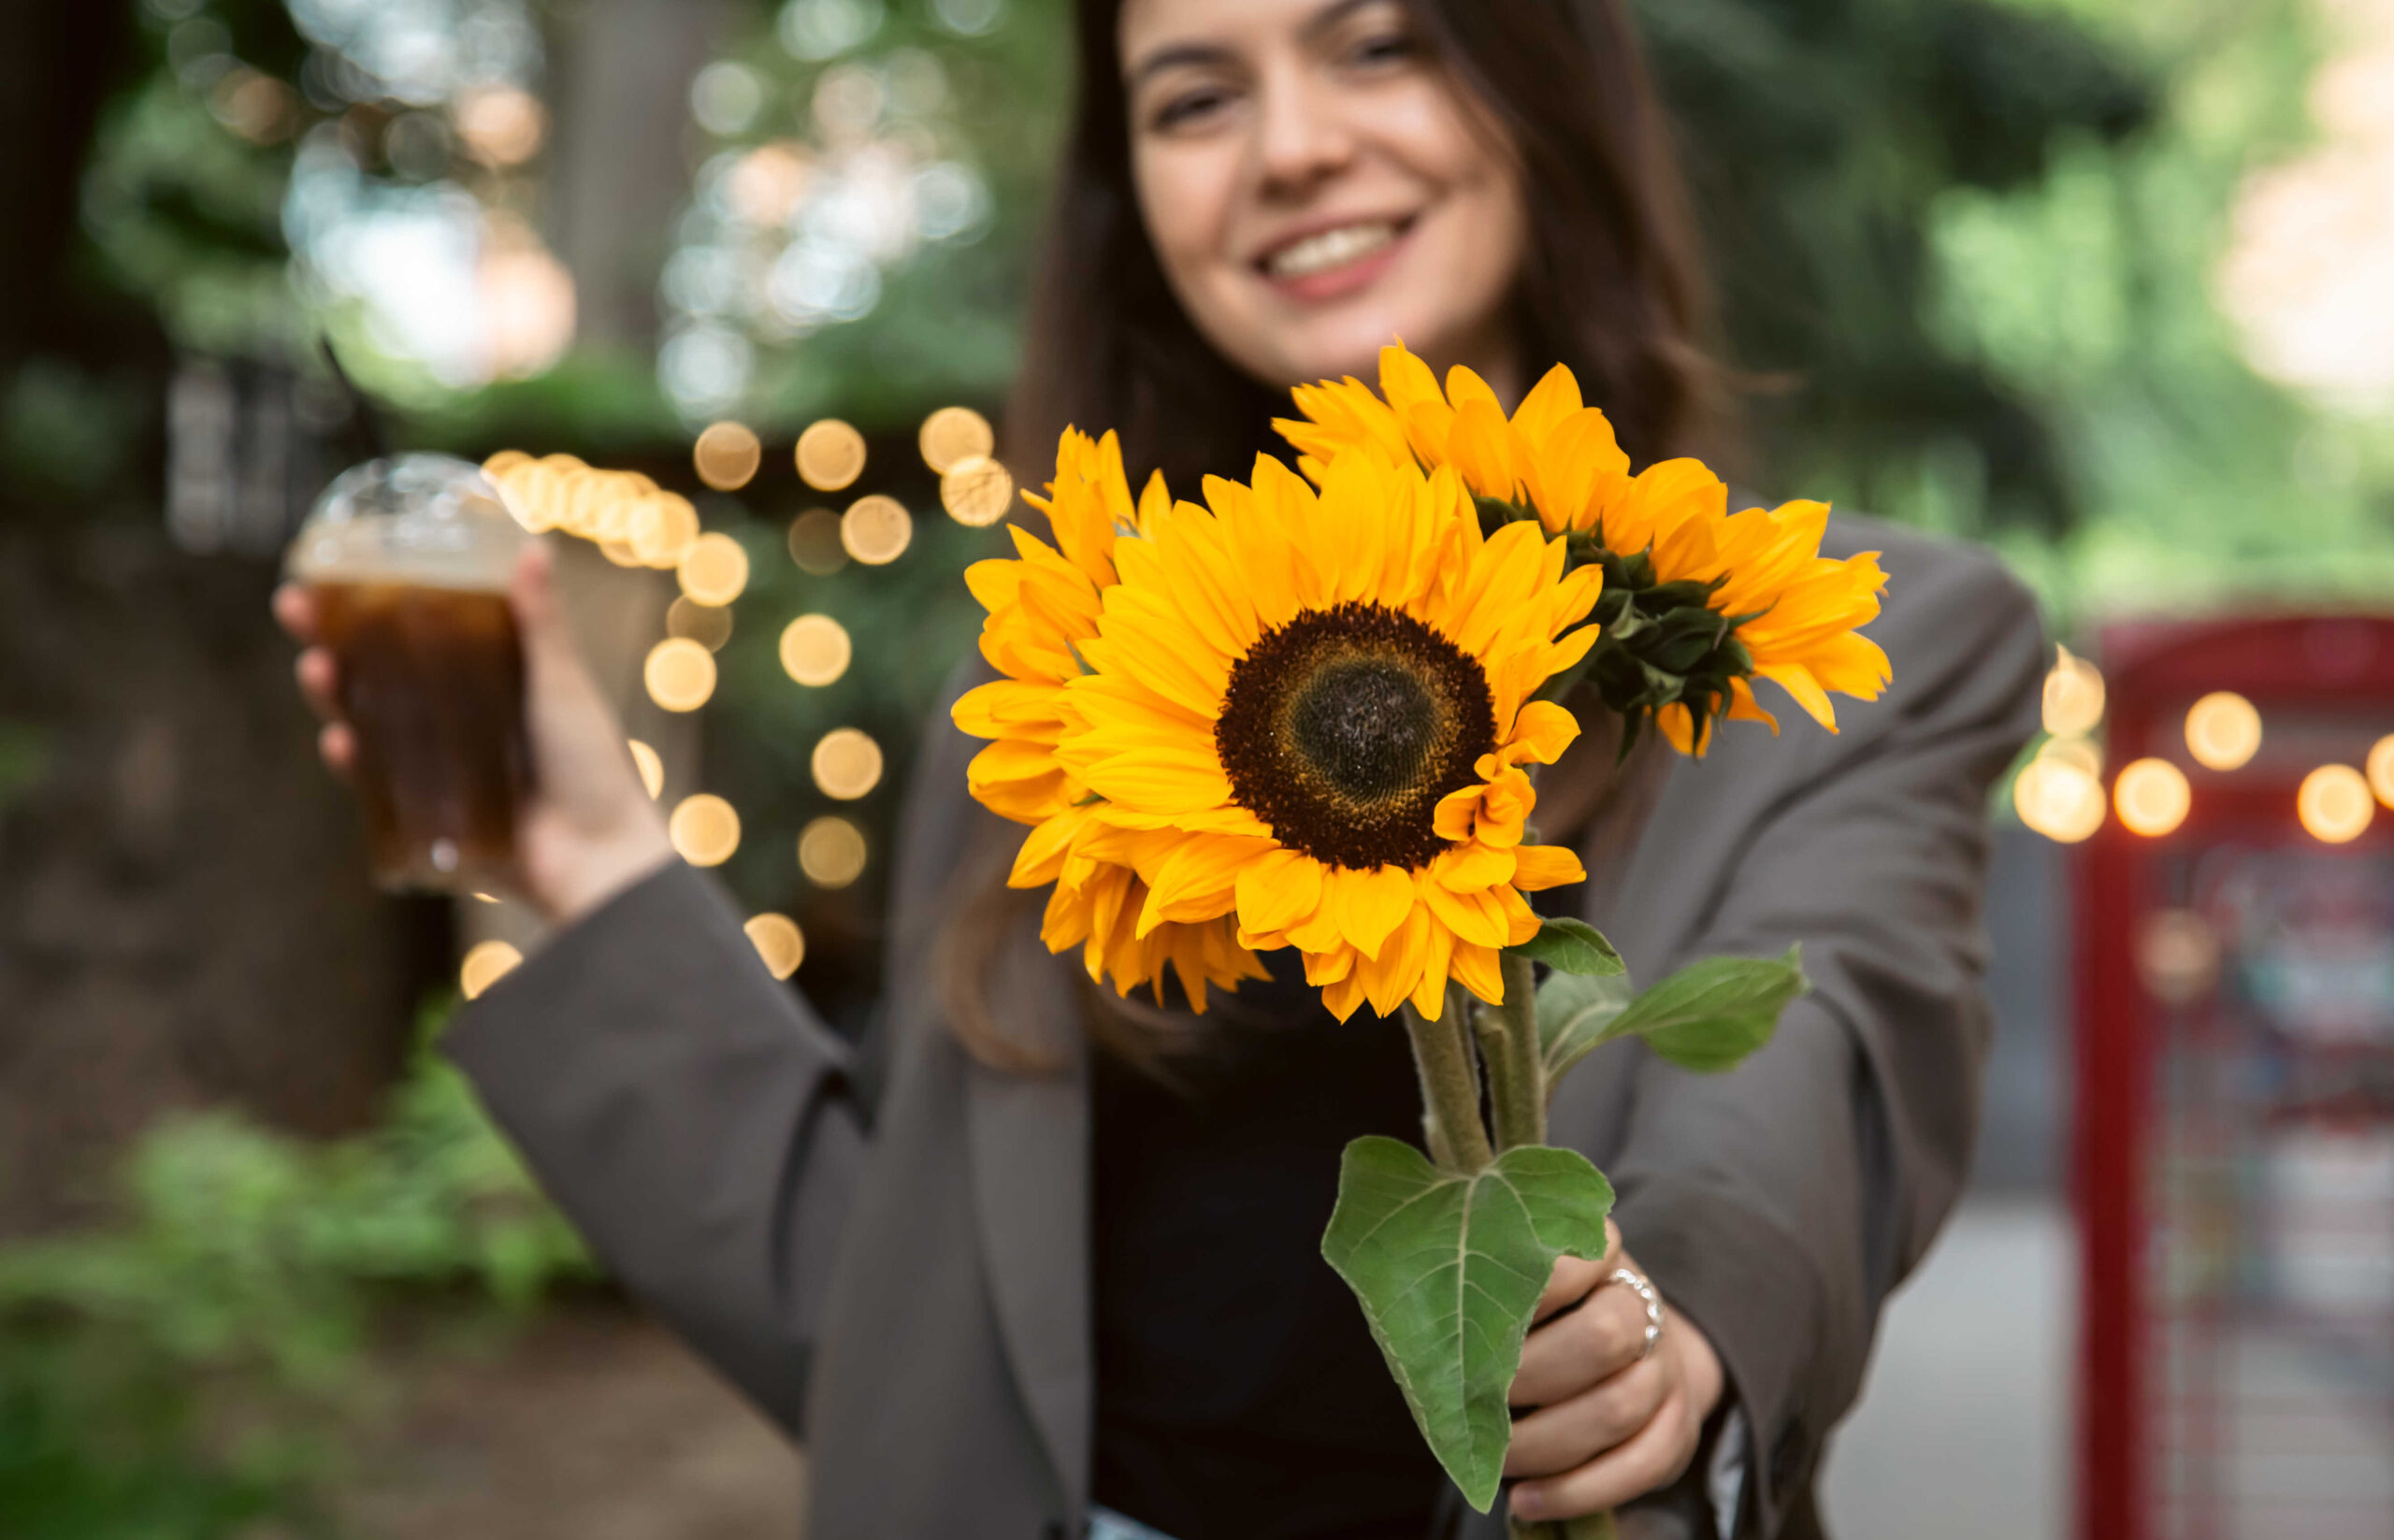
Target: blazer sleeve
(1777, 1204)
(689, 1114)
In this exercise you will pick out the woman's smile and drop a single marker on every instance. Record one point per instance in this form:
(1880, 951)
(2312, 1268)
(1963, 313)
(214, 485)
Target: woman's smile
(1333, 259)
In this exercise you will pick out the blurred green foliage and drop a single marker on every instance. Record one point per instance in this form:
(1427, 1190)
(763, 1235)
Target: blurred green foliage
(202, 1360)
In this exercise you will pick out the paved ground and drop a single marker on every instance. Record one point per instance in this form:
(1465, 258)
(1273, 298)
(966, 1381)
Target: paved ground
(596, 1425)
(1963, 1432)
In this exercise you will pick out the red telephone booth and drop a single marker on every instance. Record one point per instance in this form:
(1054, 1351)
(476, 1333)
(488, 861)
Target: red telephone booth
(2235, 1114)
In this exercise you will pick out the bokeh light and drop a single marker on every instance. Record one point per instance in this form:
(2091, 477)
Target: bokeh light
(652, 768)
(714, 570)
(779, 941)
(708, 624)
(2381, 769)
(815, 649)
(830, 454)
(2222, 731)
(2177, 957)
(2335, 804)
(502, 125)
(2079, 751)
(661, 528)
(485, 963)
(769, 182)
(847, 764)
(679, 673)
(815, 542)
(727, 455)
(832, 851)
(953, 434)
(704, 829)
(2059, 798)
(2073, 696)
(876, 529)
(977, 491)
(2151, 796)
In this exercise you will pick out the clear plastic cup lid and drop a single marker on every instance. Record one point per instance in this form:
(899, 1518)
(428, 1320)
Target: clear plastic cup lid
(430, 519)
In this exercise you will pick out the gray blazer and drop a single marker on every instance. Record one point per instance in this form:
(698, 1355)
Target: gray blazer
(887, 1248)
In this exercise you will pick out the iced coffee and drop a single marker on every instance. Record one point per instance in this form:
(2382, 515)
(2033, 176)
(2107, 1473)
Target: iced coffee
(407, 561)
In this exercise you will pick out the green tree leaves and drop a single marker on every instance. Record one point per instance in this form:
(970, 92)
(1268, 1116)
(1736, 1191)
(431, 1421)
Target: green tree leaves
(1449, 1269)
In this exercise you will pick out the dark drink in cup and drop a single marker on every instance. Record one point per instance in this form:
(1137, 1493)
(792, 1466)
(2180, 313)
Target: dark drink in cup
(407, 562)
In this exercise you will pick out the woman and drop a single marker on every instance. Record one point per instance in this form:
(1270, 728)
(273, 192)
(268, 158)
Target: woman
(1002, 1281)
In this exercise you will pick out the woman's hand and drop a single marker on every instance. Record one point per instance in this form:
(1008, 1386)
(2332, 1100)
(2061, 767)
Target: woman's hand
(589, 830)
(1607, 1425)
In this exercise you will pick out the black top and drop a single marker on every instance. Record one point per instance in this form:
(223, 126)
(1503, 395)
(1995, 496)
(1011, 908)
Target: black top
(1239, 1394)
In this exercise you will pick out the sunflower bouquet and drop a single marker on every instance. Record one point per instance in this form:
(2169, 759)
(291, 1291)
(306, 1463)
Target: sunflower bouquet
(1306, 713)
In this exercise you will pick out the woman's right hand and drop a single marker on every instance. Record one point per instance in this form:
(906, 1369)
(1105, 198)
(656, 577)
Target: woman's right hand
(589, 830)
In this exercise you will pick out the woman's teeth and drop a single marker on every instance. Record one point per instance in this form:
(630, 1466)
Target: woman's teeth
(1328, 250)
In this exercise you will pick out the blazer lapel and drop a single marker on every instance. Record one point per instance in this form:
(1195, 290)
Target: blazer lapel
(1028, 1138)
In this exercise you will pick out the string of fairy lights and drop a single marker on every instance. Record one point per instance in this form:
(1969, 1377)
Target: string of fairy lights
(636, 522)
(2059, 793)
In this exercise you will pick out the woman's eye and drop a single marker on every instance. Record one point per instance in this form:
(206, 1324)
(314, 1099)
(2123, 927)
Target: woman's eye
(1384, 49)
(1188, 107)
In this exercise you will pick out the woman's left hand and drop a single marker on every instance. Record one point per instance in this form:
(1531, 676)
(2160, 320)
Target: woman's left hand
(1608, 1424)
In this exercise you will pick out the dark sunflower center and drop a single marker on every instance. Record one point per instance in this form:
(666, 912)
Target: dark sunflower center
(1343, 728)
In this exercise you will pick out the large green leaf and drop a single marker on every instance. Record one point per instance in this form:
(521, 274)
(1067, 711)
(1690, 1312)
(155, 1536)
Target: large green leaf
(1574, 1013)
(1572, 947)
(1709, 1014)
(1449, 1269)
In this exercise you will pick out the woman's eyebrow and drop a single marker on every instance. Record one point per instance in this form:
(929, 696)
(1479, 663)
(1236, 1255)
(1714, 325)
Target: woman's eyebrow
(1179, 55)
(1176, 55)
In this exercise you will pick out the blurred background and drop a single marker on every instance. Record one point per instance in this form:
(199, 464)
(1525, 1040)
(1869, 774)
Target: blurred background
(2109, 286)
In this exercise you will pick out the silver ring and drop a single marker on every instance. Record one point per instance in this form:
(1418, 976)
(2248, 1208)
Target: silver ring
(1654, 1302)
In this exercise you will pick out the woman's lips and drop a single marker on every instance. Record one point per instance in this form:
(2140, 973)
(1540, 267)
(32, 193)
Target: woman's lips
(1334, 262)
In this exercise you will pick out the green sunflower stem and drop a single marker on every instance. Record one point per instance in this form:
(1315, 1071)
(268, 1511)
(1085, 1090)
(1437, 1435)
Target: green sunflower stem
(1450, 1089)
(1516, 1070)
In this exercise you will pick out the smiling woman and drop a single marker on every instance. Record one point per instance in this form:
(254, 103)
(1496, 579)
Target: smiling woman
(1260, 192)
(1033, 1252)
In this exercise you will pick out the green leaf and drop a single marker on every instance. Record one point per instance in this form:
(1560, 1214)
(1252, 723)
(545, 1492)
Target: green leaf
(1574, 1012)
(1449, 1269)
(1709, 1014)
(1572, 947)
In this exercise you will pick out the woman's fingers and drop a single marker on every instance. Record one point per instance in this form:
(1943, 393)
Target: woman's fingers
(295, 610)
(319, 682)
(1571, 1353)
(338, 746)
(1569, 1433)
(1650, 1458)
(1574, 1276)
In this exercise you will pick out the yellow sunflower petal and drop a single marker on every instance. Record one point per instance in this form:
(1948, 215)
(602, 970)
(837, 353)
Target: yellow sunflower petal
(1536, 868)
(1370, 904)
(1476, 969)
(1278, 889)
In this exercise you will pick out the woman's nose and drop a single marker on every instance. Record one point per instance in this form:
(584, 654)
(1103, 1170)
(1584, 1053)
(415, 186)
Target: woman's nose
(1302, 140)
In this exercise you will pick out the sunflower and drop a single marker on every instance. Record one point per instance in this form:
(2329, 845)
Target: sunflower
(1043, 604)
(1311, 711)
(1772, 605)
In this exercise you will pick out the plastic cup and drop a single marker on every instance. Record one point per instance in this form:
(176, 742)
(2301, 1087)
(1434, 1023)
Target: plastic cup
(407, 561)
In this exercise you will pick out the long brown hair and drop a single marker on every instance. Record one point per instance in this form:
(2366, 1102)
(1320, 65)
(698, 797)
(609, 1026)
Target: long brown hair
(1612, 286)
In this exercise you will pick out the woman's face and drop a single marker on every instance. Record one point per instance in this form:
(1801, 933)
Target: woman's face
(1314, 186)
